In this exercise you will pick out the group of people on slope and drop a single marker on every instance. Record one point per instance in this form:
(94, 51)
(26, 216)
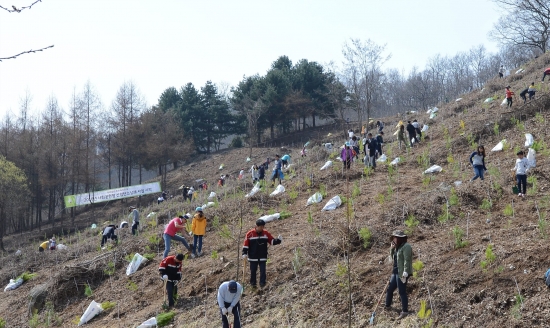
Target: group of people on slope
(414, 131)
(521, 167)
(255, 249)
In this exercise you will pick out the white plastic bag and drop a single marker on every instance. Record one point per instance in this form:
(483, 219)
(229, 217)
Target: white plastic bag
(271, 217)
(488, 100)
(221, 167)
(425, 128)
(207, 205)
(316, 198)
(151, 322)
(459, 99)
(134, 265)
(212, 195)
(499, 146)
(429, 111)
(433, 115)
(14, 284)
(327, 165)
(248, 159)
(531, 157)
(529, 140)
(433, 169)
(18, 253)
(382, 158)
(92, 310)
(62, 247)
(332, 204)
(519, 71)
(504, 101)
(279, 190)
(395, 161)
(435, 109)
(253, 191)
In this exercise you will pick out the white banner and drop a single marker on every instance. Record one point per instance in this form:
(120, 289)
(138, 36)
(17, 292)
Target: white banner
(112, 194)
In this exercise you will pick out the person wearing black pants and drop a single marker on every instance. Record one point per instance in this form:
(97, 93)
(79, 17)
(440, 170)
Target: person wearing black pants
(229, 295)
(412, 132)
(170, 273)
(255, 248)
(401, 254)
(521, 168)
(109, 233)
(135, 219)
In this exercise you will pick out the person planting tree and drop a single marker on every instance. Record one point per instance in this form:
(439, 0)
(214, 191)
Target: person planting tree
(175, 225)
(170, 273)
(255, 248)
(521, 168)
(277, 171)
(347, 156)
(198, 227)
(229, 295)
(546, 72)
(401, 255)
(412, 133)
(109, 233)
(401, 136)
(372, 146)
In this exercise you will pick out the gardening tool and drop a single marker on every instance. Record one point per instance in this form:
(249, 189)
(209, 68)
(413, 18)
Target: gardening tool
(228, 320)
(244, 269)
(165, 305)
(371, 321)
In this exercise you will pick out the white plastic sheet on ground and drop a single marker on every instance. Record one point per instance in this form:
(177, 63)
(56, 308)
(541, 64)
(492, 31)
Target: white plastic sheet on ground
(459, 99)
(332, 204)
(488, 100)
(254, 190)
(504, 101)
(425, 128)
(458, 183)
(395, 161)
(382, 158)
(92, 310)
(529, 140)
(433, 115)
(248, 159)
(221, 167)
(519, 71)
(531, 157)
(62, 247)
(207, 205)
(499, 146)
(271, 217)
(151, 214)
(134, 265)
(433, 169)
(18, 253)
(279, 190)
(435, 109)
(14, 284)
(124, 224)
(212, 195)
(429, 111)
(151, 322)
(327, 165)
(316, 198)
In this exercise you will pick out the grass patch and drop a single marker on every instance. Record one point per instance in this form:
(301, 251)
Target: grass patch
(417, 267)
(106, 306)
(365, 234)
(508, 210)
(26, 276)
(88, 291)
(490, 257)
(411, 222)
(285, 214)
(164, 319)
(486, 204)
(458, 234)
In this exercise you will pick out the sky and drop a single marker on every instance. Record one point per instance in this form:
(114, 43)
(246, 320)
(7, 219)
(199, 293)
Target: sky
(159, 44)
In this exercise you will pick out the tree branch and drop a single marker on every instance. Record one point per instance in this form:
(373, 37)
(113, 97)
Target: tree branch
(26, 52)
(18, 10)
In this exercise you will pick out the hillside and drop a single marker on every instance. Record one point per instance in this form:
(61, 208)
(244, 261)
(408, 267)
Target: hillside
(307, 274)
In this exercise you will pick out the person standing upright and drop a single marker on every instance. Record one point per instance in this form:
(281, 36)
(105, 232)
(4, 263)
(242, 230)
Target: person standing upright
(412, 133)
(401, 255)
(401, 136)
(135, 219)
(521, 168)
(255, 248)
(477, 159)
(509, 95)
(198, 227)
(501, 72)
(229, 296)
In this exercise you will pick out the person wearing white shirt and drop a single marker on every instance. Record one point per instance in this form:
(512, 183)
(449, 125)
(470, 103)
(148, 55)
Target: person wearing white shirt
(350, 133)
(229, 295)
(521, 168)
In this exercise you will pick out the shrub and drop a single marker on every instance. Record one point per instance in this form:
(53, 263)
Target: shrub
(110, 268)
(542, 224)
(365, 234)
(486, 204)
(323, 190)
(424, 315)
(411, 222)
(225, 232)
(490, 257)
(132, 286)
(356, 190)
(508, 210)
(458, 234)
(285, 214)
(417, 267)
(453, 199)
(297, 260)
(214, 255)
(309, 218)
(26, 276)
(106, 306)
(163, 319)
(2, 323)
(88, 291)
(149, 256)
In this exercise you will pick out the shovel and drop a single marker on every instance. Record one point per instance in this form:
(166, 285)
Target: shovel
(165, 305)
(371, 321)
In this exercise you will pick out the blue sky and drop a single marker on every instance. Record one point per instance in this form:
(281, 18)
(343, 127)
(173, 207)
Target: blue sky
(158, 44)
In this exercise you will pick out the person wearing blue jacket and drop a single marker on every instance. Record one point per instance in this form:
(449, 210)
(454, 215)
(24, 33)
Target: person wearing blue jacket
(286, 160)
(477, 159)
(229, 295)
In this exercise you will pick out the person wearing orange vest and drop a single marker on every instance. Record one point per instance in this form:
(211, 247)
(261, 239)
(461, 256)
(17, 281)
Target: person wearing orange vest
(509, 95)
(546, 72)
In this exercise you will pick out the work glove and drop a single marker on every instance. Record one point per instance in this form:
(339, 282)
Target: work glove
(230, 309)
(224, 311)
(280, 238)
(165, 277)
(404, 277)
(244, 256)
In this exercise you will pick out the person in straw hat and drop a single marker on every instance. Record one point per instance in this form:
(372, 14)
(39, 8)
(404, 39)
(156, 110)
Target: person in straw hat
(401, 255)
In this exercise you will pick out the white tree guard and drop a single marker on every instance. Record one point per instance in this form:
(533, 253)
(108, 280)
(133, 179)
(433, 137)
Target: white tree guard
(134, 265)
(333, 203)
(279, 190)
(92, 310)
(316, 198)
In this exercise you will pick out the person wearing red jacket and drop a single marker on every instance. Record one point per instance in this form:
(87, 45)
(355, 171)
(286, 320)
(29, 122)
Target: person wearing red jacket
(546, 72)
(255, 248)
(170, 273)
(509, 95)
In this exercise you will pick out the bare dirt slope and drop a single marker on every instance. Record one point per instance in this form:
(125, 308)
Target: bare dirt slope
(308, 273)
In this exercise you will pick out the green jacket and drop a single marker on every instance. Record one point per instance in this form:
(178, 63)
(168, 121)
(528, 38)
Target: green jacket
(404, 259)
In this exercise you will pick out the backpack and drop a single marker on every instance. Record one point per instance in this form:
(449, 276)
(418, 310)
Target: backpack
(547, 278)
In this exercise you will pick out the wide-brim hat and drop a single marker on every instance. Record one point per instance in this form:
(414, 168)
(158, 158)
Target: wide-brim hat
(398, 233)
